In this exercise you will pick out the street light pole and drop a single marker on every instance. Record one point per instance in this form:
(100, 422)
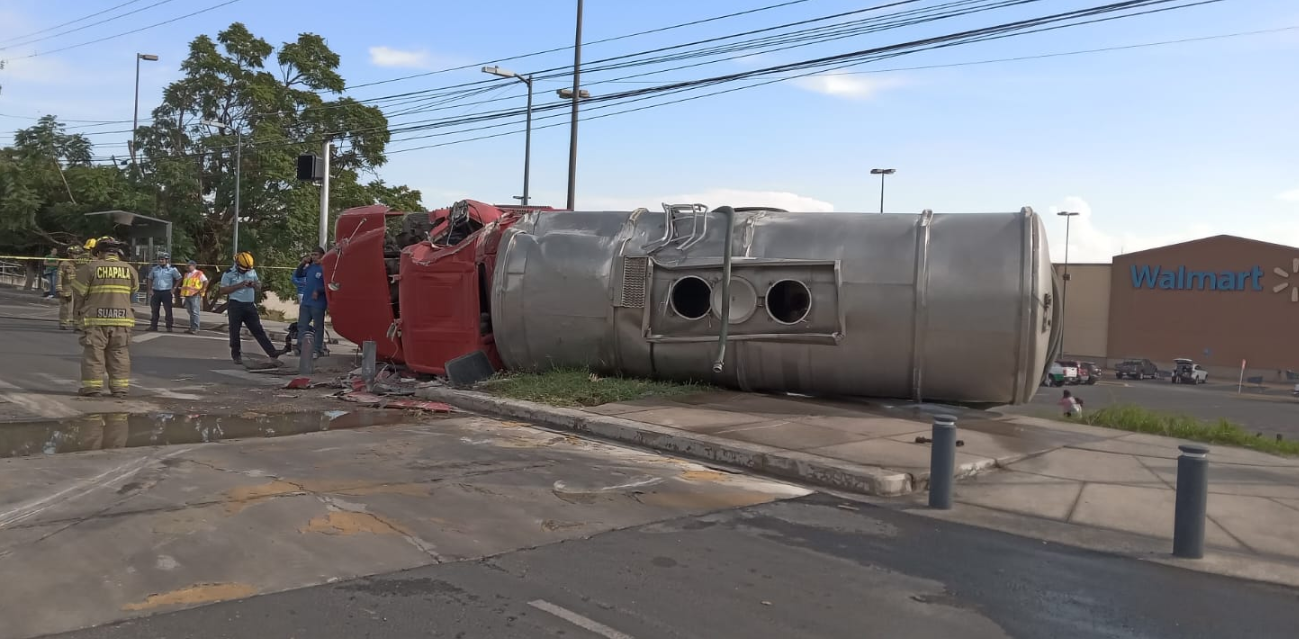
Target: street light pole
(882, 173)
(135, 120)
(1064, 294)
(527, 136)
(577, 89)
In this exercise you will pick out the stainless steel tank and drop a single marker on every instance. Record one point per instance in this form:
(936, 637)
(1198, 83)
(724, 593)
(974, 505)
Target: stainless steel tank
(943, 307)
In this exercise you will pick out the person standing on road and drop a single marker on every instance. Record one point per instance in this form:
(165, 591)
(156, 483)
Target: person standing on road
(241, 284)
(67, 273)
(191, 292)
(310, 279)
(106, 285)
(164, 280)
(78, 305)
(52, 273)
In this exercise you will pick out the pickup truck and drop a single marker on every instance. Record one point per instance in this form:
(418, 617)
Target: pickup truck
(1136, 369)
(1059, 374)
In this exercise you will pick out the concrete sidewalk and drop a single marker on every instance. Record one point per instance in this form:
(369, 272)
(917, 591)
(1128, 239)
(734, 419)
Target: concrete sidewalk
(1073, 474)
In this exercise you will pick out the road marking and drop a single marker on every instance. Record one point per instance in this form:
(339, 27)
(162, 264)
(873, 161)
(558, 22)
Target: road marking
(140, 339)
(168, 394)
(86, 486)
(40, 405)
(265, 379)
(578, 620)
(54, 379)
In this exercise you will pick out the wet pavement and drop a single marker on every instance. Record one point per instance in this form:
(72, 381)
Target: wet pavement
(89, 538)
(170, 372)
(100, 431)
(816, 567)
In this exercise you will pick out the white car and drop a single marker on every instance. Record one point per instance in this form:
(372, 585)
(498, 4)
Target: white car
(1059, 375)
(1186, 371)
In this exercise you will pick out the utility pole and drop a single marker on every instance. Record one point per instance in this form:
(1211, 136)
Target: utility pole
(324, 197)
(577, 89)
(239, 166)
(882, 173)
(1064, 294)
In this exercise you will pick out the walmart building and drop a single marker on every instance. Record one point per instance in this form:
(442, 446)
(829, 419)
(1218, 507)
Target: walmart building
(1218, 300)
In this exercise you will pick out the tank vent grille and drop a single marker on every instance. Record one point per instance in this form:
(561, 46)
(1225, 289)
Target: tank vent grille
(635, 275)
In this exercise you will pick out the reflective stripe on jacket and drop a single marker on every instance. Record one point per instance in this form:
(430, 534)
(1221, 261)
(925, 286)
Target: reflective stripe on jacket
(106, 287)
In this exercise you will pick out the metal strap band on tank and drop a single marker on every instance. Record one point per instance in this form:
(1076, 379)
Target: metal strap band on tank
(1024, 389)
(921, 308)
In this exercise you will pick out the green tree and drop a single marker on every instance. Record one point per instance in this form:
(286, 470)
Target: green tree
(48, 184)
(278, 114)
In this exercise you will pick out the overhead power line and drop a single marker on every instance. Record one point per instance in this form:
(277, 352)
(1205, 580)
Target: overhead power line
(132, 31)
(585, 44)
(772, 74)
(85, 17)
(11, 44)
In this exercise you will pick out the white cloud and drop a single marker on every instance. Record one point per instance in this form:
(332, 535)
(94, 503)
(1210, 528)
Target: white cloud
(713, 198)
(852, 87)
(1289, 196)
(397, 58)
(1089, 241)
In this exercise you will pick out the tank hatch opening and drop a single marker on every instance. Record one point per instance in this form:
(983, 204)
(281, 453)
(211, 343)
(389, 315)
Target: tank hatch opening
(744, 301)
(691, 298)
(789, 301)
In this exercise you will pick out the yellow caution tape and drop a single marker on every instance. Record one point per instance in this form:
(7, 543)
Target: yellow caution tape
(28, 258)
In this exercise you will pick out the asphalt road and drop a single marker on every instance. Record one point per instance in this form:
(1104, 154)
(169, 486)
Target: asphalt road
(1270, 413)
(814, 567)
(41, 367)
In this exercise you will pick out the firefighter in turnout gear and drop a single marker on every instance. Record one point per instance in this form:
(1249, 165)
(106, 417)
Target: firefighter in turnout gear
(67, 273)
(83, 258)
(106, 285)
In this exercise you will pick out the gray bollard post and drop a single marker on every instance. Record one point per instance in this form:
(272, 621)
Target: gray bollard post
(305, 350)
(1192, 501)
(368, 364)
(942, 462)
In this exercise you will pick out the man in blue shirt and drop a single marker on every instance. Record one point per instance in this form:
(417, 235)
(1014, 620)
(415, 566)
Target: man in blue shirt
(164, 281)
(310, 279)
(241, 284)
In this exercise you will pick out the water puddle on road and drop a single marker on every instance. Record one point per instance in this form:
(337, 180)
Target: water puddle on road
(122, 430)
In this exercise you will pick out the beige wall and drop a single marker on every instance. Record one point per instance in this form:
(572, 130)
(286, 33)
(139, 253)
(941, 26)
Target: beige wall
(1087, 311)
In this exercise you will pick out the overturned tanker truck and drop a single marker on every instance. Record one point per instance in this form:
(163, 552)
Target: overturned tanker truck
(933, 307)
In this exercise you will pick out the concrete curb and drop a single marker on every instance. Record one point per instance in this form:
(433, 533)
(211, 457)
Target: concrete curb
(783, 464)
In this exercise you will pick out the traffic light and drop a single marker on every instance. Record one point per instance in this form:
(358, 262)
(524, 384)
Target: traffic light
(310, 168)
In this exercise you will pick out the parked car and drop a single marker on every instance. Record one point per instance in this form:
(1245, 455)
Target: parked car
(1136, 369)
(1186, 371)
(1090, 372)
(1060, 374)
(1086, 370)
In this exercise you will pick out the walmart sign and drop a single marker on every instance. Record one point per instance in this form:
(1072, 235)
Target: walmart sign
(1185, 279)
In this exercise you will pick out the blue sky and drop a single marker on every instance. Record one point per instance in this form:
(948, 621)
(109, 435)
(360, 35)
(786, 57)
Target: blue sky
(1153, 145)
